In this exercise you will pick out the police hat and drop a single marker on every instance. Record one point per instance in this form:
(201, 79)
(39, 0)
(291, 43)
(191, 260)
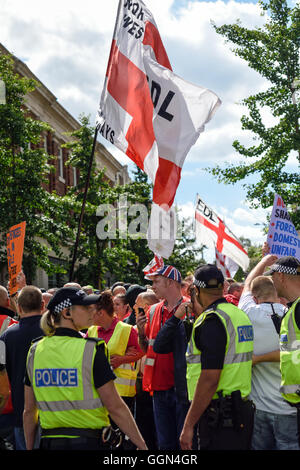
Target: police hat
(287, 265)
(208, 276)
(69, 296)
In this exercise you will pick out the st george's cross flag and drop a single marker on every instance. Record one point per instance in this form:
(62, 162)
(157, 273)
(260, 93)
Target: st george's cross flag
(150, 113)
(226, 265)
(212, 232)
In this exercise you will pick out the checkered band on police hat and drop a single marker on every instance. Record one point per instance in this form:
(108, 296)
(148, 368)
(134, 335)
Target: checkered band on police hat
(285, 269)
(286, 265)
(208, 276)
(201, 284)
(64, 304)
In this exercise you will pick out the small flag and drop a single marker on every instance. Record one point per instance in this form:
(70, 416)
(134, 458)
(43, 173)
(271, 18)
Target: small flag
(212, 232)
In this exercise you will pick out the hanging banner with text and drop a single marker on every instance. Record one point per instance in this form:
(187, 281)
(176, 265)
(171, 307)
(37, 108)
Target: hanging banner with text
(283, 238)
(15, 246)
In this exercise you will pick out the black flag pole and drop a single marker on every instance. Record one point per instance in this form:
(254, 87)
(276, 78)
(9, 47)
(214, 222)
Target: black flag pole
(90, 166)
(87, 183)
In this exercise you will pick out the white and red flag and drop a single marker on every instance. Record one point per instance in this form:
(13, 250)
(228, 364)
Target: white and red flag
(212, 232)
(156, 263)
(150, 113)
(226, 265)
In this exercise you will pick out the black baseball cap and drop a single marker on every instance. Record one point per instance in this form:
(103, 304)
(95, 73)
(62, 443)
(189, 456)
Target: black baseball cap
(287, 265)
(133, 291)
(69, 296)
(208, 276)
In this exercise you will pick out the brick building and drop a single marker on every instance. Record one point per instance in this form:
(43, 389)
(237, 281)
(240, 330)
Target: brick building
(43, 105)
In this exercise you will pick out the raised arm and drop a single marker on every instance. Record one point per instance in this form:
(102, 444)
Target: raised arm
(259, 269)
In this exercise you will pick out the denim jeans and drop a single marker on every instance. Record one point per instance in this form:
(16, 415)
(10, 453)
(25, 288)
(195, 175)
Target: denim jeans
(20, 439)
(274, 431)
(169, 416)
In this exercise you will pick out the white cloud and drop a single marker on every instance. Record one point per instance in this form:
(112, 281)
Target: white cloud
(67, 46)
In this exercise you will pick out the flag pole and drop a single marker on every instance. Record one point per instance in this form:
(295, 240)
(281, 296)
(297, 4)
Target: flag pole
(83, 206)
(89, 170)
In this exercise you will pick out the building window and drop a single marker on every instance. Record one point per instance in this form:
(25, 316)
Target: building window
(60, 165)
(75, 182)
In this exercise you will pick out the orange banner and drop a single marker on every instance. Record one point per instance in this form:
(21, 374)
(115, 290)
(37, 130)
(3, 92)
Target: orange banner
(15, 246)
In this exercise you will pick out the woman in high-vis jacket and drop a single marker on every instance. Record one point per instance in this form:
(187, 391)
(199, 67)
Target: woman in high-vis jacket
(122, 343)
(69, 384)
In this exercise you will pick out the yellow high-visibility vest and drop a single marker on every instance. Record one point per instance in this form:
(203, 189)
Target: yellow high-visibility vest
(237, 368)
(290, 356)
(126, 373)
(60, 369)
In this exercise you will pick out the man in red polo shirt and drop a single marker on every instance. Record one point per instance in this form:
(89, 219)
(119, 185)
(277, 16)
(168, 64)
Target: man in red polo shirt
(163, 372)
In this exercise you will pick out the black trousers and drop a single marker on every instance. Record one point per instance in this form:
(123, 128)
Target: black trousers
(66, 443)
(227, 437)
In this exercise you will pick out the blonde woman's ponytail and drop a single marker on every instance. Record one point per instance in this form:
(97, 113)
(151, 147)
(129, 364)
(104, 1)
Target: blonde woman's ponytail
(47, 323)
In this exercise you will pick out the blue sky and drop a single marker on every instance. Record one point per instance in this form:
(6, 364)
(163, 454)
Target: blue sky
(68, 49)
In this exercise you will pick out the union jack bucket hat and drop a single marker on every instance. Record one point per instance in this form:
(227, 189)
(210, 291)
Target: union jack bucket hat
(166, 271)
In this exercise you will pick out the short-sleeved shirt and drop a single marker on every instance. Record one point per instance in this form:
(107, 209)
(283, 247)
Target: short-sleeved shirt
(266, 377)
(211, 339)
(107, 334)
(102, 371)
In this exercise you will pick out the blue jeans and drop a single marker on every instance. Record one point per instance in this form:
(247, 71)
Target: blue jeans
(169, 416)
(20, 439)
(274, 431)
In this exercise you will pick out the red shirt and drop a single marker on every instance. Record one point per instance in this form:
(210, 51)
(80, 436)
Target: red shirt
(107, 334)
(163, 373)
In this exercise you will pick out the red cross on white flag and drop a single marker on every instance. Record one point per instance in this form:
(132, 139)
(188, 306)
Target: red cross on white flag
(212, 232)
(226, 265)
(150, 113)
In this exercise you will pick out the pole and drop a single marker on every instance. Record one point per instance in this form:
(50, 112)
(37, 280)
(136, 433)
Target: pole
(83, 206)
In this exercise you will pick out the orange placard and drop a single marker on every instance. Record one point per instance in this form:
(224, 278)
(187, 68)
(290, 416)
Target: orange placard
(15, 246)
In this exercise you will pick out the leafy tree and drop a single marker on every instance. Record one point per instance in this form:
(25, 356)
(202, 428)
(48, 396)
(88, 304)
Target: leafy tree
(120, 256)
(24, 167)
(273, 52)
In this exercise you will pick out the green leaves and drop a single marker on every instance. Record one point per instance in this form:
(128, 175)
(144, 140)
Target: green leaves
(273, 51)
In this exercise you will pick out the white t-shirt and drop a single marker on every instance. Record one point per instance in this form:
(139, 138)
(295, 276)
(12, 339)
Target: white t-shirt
(266, 376)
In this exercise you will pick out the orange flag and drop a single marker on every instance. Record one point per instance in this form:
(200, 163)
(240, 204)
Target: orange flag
(15, 246)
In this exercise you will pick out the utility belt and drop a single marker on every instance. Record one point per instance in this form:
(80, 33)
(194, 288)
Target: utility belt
(297, 406)
(228, 411)
(111, 438)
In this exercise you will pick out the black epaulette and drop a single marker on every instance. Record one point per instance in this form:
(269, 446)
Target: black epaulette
(37, 339)
(96, 340)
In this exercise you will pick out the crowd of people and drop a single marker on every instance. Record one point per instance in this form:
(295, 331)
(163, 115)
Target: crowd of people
(203, 362)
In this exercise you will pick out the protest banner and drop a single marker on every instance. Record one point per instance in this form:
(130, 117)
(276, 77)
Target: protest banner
(15, 246)
(283, 238)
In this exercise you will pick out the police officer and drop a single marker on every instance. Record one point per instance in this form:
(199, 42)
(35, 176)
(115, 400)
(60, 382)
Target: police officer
(285, 274)
(219, 361)
(70, 382)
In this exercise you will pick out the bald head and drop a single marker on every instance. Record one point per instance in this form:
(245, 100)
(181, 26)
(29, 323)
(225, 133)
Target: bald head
(4, 299)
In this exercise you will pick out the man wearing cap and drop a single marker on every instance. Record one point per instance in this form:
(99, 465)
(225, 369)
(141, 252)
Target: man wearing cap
(163, 373)
(219, 361)
(285, 273)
